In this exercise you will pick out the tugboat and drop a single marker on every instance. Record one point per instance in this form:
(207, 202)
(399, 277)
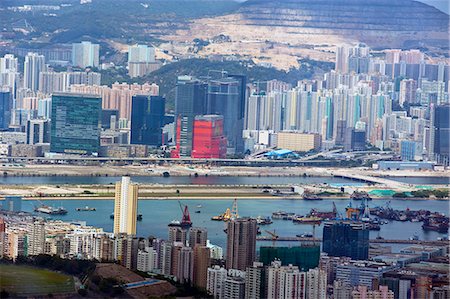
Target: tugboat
(86, 209)
(360, 195)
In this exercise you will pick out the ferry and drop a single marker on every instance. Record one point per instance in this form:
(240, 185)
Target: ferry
(50, 210)
(283, 215)
(86, 209)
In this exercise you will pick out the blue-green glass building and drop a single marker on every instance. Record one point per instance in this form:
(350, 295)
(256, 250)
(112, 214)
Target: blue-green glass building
(75, 124)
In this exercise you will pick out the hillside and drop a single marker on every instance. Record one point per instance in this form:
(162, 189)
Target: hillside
(278, 31)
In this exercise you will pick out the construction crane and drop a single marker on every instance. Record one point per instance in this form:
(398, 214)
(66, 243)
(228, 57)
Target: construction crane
(273, 235)
(234, 210)
(186, 219)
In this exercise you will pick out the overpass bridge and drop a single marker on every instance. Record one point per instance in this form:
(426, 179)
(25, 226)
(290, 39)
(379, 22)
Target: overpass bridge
(354, 175)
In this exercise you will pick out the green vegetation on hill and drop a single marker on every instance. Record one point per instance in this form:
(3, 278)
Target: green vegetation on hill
(166, 77)
(128, 20)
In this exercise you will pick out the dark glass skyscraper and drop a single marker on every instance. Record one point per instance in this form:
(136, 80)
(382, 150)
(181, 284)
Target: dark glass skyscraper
(346, 239)
(107, 115)
(75, 125)
(440, 133)
(190, 100)
(147, 119)
(226, 98)
(5, 109)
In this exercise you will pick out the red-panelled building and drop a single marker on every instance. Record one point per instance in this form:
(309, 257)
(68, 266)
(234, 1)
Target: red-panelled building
(208, 138)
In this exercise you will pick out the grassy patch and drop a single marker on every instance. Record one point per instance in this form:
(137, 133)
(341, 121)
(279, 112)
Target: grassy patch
(24, 280)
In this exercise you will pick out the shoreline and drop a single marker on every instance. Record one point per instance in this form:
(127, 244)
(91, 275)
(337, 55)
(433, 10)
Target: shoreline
(70, 198)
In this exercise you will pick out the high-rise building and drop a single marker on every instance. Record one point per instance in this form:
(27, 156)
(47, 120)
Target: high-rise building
(346, 239)
(241, 243)
(285, 282)
(183, 263)
(177, 233)
(125, 207)
(147, 120)
(215, 281)
(141, 60)
(36, 238)
(198, 236)
(202, 261)
(383, 292)
(234, 287)
(33, 65)
(355, 140)
(75, 125)
(316, 284)
(440, 133)
(208, 138)
(407, 94)
(190, 100)
(305, 257)
(225, 98)
(255, 281)
(146, 259)
(85, 54)
(6, 106)
(3, 243)
(38, 131)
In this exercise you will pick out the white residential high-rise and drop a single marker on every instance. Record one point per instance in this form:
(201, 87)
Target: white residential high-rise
(316, 284)
(125, 207)
(254, 281)
(215, 281)
(285, 282)
(146, 259)
(141, 60)
(33, 65)
(85, 54)
(36, 238)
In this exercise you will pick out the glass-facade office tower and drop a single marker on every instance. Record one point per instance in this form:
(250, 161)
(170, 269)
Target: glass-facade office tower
(147, 119)
(190, 100)
(346, 239)
(5, 109)
(226, 98)
(440, 133)
(75, 125)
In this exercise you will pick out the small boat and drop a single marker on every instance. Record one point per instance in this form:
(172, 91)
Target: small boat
(86, 209)
(198, 211)
(263, 220)
(199, 206)
(415, 237)
(305, 235)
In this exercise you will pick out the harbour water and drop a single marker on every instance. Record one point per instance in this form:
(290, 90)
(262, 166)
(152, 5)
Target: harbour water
(202, 180)
(158, 213)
